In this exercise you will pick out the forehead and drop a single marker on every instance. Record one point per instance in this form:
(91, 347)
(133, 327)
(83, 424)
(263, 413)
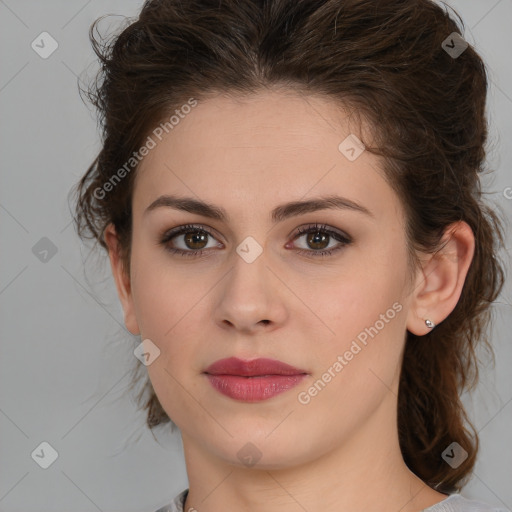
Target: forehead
(273, 146)
(299, 122)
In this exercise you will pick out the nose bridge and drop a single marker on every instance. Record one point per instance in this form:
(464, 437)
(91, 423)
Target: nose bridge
(250, 276)
(249, 295)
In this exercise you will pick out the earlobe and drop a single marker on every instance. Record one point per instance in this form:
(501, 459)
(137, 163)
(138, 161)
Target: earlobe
(121, 278)
(440, 279)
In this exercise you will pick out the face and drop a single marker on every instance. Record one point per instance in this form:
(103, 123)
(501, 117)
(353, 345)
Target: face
(323, 290)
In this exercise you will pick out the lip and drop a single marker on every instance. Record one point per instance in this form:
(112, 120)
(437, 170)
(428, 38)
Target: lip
(254, 367)
(254, 380)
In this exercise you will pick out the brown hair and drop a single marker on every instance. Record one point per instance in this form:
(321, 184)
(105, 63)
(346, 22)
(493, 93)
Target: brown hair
(385, 60)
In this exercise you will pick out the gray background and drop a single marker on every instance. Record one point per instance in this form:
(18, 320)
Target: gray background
(66, 356)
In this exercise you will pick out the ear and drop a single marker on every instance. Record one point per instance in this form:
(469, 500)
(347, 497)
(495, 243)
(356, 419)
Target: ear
(122, 279)
(440, 280)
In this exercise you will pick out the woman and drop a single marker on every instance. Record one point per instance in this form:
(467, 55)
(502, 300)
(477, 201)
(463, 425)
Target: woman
(288, 191)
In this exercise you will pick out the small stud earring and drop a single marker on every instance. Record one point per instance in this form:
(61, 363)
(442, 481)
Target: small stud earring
(429, 323)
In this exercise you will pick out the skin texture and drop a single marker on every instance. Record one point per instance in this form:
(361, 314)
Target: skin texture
(339, 451)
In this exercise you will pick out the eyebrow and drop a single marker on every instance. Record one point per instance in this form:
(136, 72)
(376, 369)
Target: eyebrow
(278, 214)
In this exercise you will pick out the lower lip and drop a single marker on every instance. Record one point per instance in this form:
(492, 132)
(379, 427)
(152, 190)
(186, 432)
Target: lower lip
(253, 389)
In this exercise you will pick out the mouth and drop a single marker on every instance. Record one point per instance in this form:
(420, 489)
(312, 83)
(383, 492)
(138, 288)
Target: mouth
(253, 381)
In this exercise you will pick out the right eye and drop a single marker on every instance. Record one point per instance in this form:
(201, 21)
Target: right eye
(194, 239)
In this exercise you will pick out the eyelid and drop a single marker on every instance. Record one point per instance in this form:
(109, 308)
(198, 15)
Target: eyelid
(179, 230)
(301, 230)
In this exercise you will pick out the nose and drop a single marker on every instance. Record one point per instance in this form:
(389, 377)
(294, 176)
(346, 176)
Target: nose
(251, 298)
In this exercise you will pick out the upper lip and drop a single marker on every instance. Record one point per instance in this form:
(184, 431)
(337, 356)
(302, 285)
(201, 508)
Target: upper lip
(261, 366)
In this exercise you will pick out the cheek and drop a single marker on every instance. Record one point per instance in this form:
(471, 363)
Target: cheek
(164, 306)
(365, 308)
(160, 298)
(357, 368)
(167, 304)
(366, 287)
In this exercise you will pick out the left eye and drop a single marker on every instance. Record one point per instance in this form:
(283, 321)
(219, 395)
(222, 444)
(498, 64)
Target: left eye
(319, 237)
(195, 237)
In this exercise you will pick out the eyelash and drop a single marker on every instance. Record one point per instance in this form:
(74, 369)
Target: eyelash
(315, 228)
